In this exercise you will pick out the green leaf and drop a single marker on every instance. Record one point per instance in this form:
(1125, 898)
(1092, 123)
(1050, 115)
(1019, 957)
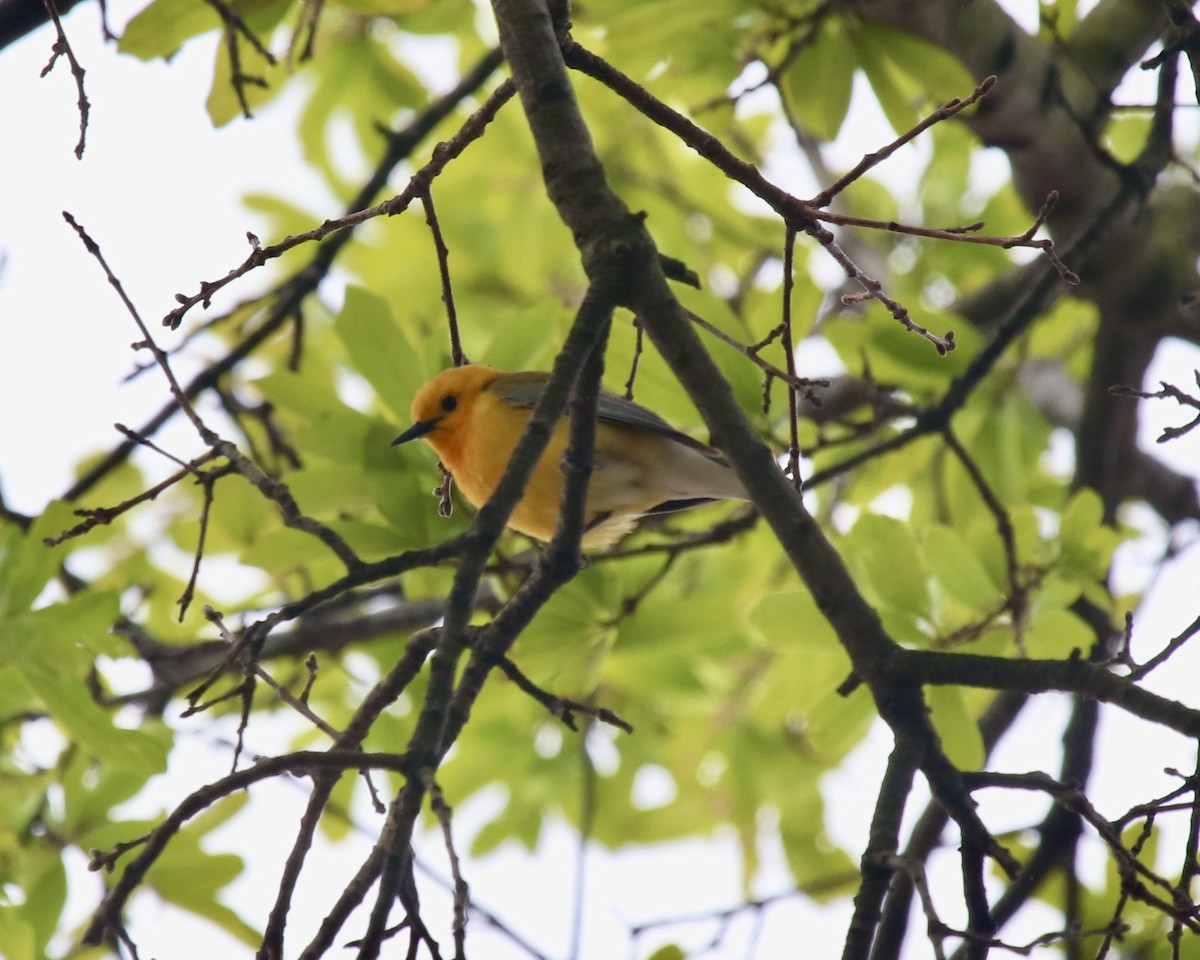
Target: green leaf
(1083, 515)
(49, 649)
(240, 512)
(817, 83)
(940, 73)
(1056, 20)
(566, 642)
(904, 70)
(14, 695)
(436, 16)
(1057, 634)
(218, 814)
(44, 882)
(332, 430)
(891, 87)
(838, 724)
(517, 338)
(808, 661)
(1065, 335)
(61, 634)
(17, 938)
(26, 563)
(814, 860)
(68, 702)
(397, 9)
(1031, 548)
(107, 835)
(947, 178)
(957, 568)
(285, 550)
(958, 729)
(161, 28)
(643, 36)
(92, 789)
(262, 79)
(380, 350)
(891, 561)
(362, 82)
(262, 82)
(335, 489)
(190, 878)
(373, 541)
(300, 396)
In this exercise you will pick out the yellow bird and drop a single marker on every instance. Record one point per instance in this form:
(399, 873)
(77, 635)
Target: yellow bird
(474, 415)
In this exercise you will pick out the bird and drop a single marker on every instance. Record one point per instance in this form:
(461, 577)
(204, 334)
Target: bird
(473, 415)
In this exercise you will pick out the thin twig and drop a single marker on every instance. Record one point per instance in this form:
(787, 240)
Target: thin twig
(189, 590)
(443, 259)
(1168, 651)
(108, 913)
(450, 149)
(274, 490)
(296, 703)
(1017, 600)
(789, 355)
(1134, 874)
(638, 345)
(100, 516)
(462, 894)
(311, 17)
(233, 26)
(945, 112)
(1168, 391)
(561, 708)
(62, 48)
(803, 384)
(968, 233)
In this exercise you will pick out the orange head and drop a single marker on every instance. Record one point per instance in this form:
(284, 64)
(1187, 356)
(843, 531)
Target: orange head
(443, 404)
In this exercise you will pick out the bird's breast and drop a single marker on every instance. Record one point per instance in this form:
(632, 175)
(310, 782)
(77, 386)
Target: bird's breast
(478, 453)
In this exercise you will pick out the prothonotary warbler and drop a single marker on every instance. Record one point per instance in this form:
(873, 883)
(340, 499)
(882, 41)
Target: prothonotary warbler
(474, 415)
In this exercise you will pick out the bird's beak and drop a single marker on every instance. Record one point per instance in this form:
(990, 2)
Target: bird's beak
(418, 429)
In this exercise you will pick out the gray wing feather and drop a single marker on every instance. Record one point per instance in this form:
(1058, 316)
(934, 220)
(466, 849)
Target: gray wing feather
(519, 389)
(525, 389)
(621, 412)
(613, 409)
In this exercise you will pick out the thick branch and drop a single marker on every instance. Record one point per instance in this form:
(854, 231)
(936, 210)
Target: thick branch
(19, 17)
(1074, 675)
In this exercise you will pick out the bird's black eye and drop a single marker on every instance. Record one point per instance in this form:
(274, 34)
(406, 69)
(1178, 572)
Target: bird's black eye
(449, 403)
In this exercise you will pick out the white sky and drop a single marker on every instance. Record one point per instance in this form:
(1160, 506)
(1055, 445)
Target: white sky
(159, 191)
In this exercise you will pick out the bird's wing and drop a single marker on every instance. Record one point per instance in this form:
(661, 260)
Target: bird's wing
(519, 389)
(621, 412)
(525, 389)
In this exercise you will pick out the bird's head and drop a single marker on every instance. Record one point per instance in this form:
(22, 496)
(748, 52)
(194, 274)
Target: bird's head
(445, 401)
